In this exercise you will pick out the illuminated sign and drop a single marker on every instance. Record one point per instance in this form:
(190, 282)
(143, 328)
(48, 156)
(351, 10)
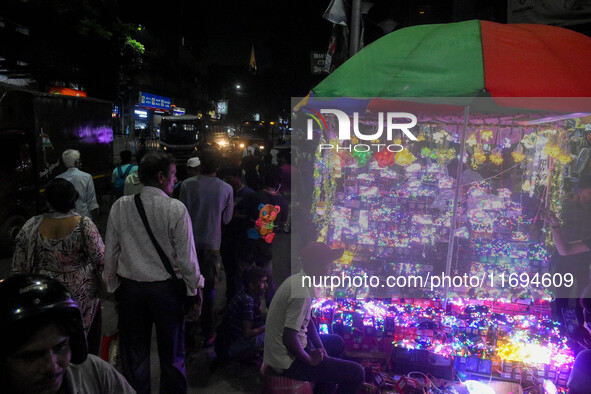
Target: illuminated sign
(178, 111)
(148, 100)
(223, 107)
(67, 91)
(141, 114)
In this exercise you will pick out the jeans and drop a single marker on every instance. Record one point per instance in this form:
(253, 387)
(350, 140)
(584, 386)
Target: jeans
(332, 371)
(141, 304)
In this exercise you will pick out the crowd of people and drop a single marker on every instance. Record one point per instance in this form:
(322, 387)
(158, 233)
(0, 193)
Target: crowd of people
(168, 246)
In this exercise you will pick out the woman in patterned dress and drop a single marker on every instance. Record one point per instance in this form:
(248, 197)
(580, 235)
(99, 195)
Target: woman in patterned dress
(68, 247)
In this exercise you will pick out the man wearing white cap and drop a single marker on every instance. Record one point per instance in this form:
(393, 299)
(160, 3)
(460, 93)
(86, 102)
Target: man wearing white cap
(193, 169)
(193, 166)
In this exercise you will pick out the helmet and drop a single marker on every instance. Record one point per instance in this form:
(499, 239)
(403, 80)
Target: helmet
(26, 296)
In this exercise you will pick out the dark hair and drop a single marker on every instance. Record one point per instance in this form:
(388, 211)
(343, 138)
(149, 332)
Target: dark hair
(210, 161)
(61, 195)
(126, 156)
(284, 154)
(153, 163)
(232, 170)
(271, 177)
(252, 275)
(585, 182)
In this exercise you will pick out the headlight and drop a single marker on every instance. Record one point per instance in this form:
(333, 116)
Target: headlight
(242, 145)
(262, 147)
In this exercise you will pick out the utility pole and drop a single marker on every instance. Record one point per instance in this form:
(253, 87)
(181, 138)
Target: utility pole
(355, 27)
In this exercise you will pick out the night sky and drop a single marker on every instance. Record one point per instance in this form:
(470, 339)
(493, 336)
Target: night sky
(222, 32)
(282, 32)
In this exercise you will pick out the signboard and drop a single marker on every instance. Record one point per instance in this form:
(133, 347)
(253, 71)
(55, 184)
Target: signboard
(222, 107)
(67, 91)
(178, 111)
(153, 101)
(317, 60)
(549, 12)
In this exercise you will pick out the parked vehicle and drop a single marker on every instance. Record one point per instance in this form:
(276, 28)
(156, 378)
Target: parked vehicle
(35, 128)
(181, 135)
(253, 132)
(220, 133)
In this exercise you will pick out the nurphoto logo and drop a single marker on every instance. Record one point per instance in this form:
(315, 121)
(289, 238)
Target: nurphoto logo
(402, 121)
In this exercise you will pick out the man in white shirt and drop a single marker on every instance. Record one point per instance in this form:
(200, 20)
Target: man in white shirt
(293, 347)
(146, 293)
(86, 205)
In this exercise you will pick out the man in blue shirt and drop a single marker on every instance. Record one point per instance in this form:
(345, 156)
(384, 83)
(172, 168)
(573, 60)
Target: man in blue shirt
(121, 172)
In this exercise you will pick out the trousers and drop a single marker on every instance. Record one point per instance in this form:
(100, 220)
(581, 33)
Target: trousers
(332, 371)
(141, 305)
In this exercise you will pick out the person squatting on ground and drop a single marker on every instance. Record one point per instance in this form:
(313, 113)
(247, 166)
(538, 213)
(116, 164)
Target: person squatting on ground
(146, 293)
(242, 333)
(293, 347)
(210, 204)
(86, 205)
(43, 345)
(68, 247)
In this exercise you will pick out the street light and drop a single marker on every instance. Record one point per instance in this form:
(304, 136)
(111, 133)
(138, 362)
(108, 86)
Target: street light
(237, 86)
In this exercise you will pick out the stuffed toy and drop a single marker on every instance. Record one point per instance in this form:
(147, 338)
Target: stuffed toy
(263, 227)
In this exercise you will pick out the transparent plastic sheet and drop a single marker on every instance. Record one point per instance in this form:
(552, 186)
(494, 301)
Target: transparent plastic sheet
(379, 177)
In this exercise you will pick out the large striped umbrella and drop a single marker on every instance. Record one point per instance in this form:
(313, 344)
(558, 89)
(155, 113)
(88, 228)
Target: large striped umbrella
(467, 59)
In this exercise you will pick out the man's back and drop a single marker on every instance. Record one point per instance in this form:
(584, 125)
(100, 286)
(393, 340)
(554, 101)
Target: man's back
(84, 185)
(135, 256)
(209, 201)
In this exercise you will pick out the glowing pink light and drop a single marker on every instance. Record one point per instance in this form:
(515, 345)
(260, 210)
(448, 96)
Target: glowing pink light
(101, 134)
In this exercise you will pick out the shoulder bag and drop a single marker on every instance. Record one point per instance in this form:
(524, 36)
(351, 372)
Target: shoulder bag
(180, 283)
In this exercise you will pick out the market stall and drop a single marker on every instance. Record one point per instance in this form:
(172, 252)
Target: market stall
(447, 272)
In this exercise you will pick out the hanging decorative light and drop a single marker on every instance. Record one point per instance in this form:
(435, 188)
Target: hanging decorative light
(405, 158)
(496, 157)
(478, 158)
(517, 154)
(440, 136)
(486, 135)
(552, 150)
